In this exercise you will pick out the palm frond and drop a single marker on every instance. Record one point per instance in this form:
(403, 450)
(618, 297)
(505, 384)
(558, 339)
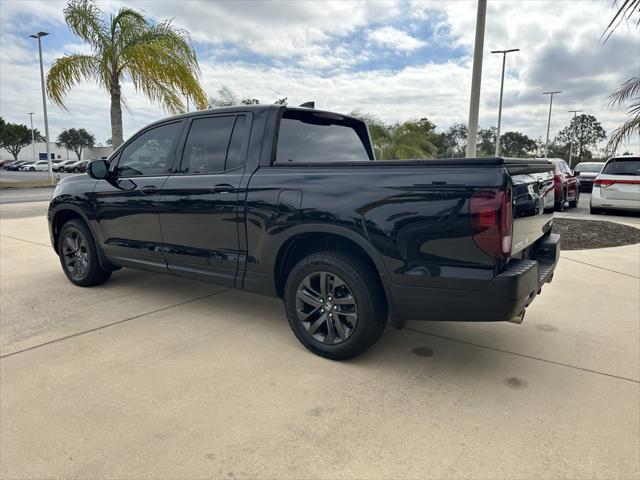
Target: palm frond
(83, 17)
(68, 71)
(623, 132)
(629, 89)
(624, 12)
(225, 98)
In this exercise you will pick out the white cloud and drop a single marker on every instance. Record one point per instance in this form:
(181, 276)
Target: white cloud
(395, 39)
(306, 48)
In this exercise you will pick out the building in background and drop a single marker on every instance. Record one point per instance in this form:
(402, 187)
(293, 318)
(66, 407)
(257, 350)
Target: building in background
(89, 153)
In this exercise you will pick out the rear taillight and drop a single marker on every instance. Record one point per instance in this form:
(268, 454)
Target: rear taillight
(604, 183)
(492, 221)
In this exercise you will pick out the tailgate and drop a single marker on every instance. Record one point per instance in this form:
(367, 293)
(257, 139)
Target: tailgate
(618, 187)
(532, 183)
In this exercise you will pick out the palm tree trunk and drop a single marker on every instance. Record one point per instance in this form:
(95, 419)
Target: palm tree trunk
(116, 116)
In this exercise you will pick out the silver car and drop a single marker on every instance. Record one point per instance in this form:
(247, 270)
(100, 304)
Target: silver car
(617, 187)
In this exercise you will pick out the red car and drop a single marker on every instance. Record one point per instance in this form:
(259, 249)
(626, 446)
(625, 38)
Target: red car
(566, 185)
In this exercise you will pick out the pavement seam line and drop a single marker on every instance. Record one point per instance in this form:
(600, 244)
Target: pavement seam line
(601, 268)
(524, 355)
(101, 327)
(23, 240)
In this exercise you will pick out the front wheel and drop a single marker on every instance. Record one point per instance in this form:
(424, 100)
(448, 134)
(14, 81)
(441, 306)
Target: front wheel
(32, 169)
(79, 256)
(335, 304)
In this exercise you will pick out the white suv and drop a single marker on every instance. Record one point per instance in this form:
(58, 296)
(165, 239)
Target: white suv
(617, 187)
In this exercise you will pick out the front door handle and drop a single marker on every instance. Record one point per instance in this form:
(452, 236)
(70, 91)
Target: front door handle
(223, 187)
(149, 189)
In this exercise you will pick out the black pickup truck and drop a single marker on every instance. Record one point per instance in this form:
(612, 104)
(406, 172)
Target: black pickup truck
(291, 203)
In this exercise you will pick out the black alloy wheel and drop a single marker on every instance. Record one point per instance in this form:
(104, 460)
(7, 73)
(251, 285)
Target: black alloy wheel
(75, 253)
(326, 307)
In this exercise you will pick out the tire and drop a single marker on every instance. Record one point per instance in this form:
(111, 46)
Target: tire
(560, 205)
(594, 211)
(82, 253)
(356, 287)
(32, 169)
(574, 203)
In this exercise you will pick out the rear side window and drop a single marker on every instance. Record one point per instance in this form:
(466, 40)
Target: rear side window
(151, 153)
(622, 166)
(235, 154)
(205, 150)
(314, 137)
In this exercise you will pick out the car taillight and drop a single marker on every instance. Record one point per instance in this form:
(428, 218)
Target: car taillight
(492, 221)
(604, 183)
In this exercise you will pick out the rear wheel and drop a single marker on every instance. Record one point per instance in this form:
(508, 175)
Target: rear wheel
(560, 205)
(335, 304)
(594, 211)
(574, 203)
(79, 256)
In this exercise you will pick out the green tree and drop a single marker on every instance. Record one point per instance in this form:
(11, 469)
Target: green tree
(586, 132)
(452, 142)
(486, 142)
(516, 144)
(14, 137)
(158, 58)
(76, 139)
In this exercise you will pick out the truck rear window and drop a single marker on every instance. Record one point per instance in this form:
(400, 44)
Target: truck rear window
(315, 137)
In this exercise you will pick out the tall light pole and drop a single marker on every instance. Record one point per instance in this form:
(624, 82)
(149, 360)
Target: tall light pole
(476, 77)
(38, 36)
(572, 132)
(551, 94)
(33, 137)
(504, 61)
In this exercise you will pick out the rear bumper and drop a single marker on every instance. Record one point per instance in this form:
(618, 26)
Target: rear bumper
(504, 298)
(598, 202)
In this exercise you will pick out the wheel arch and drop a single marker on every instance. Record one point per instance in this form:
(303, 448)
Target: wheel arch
(68, 212)
(307, 239)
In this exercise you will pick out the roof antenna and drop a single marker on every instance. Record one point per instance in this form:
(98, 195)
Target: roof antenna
(308, 105)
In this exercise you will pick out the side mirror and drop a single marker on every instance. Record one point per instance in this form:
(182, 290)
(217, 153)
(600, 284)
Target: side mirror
(98, 169)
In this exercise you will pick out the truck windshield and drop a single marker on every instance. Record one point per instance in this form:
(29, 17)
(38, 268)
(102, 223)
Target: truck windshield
(315, 137)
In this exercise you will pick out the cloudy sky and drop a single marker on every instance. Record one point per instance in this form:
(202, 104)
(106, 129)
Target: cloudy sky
(396, 59)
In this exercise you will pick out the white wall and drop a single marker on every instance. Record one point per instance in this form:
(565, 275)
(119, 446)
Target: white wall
(26, 153)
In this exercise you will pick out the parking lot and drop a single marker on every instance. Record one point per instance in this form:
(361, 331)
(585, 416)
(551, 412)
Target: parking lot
(149, 376)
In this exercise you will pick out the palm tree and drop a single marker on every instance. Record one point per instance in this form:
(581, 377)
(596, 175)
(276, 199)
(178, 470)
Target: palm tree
(159, 59)
(628, 90)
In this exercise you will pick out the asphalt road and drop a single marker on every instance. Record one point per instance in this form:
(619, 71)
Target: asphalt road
(149, 376)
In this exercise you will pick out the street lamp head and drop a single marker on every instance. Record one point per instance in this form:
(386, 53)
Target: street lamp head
(506, 51)
(551, 93)
(39, 34)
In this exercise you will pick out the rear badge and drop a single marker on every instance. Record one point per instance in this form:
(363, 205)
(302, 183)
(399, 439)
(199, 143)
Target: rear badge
(521, 244)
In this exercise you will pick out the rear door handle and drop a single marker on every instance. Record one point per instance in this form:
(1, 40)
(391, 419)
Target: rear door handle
(223, 187)
(149, 189)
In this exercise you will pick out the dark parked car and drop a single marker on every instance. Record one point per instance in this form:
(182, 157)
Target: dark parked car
(588, 171)
(291, 203)
(566, 185)
(13, 166)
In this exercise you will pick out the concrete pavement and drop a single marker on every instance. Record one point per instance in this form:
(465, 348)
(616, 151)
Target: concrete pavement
(148, 376)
